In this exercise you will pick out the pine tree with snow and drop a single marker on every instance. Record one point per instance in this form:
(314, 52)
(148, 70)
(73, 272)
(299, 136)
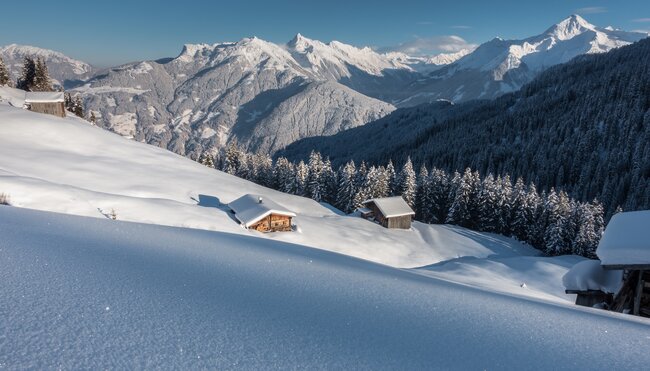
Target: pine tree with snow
(92, 119)
(489, 205)
(504, 205)
(5, 79)
(26, 79)
(330, 182)
(302, 174)
(206, 159)
(78, 106)
(347, 188)
(439, 191)
(315, 186)
(391, 178)
(421, 194)
(464, 210)
(42, 81)
(407, 183)
(285, 175)
(518, 202)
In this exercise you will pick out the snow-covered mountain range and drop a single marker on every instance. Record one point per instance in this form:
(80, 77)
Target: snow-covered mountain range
(269, 95)
(500, 66)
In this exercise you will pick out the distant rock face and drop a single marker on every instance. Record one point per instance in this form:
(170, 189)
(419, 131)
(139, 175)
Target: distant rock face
(60, 67)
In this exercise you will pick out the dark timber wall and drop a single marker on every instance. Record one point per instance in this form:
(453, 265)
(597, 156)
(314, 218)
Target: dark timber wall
(53, 108)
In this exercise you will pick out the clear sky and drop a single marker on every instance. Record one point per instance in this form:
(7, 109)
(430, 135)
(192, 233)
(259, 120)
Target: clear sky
(106, 33)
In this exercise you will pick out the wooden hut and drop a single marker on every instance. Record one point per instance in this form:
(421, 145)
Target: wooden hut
(48, 102)
(260, 214)
(592, 284)
(626, 246)
(390, 212)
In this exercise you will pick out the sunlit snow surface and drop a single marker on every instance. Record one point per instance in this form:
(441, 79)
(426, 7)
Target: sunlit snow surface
(94, 293)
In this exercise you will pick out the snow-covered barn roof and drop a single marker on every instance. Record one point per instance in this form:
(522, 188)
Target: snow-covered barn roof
(590, 275)
(391, 207)
(250, 209)
(44, 97)
(626, 241)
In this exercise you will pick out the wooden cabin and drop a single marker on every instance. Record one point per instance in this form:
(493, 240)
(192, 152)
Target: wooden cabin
(593, 285)
(48, 102)
(260, 214)
(390, 212)
(626, 246)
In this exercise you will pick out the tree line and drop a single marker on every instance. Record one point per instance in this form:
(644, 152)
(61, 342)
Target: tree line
(549, 221)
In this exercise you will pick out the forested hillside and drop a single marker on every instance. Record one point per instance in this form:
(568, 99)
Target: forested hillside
(583, 127)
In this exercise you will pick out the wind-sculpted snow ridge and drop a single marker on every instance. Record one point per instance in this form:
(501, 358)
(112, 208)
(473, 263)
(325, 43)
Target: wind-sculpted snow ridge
(95, 293)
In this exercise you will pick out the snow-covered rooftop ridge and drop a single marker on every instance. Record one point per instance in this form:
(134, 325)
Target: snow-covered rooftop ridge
(44, 96)
(250, 208)
(590, 275)
(626, 240)
(391, 206)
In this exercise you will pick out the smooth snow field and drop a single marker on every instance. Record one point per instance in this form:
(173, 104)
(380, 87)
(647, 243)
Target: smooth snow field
(88, 293)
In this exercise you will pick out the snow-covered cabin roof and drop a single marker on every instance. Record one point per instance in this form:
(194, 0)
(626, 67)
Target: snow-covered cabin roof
(391, 207)
(590, 275)
(626, 241)
(44, 97)
(249, 210)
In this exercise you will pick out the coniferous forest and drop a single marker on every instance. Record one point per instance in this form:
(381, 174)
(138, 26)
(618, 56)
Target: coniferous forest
(582, 128)
(550, 221)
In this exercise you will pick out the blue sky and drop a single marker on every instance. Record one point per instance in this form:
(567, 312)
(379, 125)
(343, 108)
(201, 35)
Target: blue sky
(107, 33)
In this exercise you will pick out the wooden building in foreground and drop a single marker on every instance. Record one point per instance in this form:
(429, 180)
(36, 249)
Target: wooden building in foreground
(48, 102)
(593, 285)
(260, 214)
(390, 212)
(626, 246)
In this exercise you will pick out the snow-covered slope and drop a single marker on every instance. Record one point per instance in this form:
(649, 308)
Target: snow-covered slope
(69, 166)
(61, 67)
(500, 66)
(83, 293)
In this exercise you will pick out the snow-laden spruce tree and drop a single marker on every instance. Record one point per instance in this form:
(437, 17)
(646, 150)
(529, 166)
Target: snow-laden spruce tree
(391, 178)
(421, 194)
(5, 79)
(42, 81)
(206, 159)
(347, 188)
(28, 73)
(285, 175)
(464, 210)
(489, 204)
(315, 187)
(302, 173)
(504, 204)
(439, 192)
(407, 183)
(329, 182)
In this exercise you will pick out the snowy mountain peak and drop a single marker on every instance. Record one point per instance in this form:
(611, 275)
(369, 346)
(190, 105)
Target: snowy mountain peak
(570, 27)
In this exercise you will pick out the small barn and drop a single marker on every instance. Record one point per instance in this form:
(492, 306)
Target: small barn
(48, 102)
(390, 212)
(261, 214)
(626, 246)
(592, 284)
